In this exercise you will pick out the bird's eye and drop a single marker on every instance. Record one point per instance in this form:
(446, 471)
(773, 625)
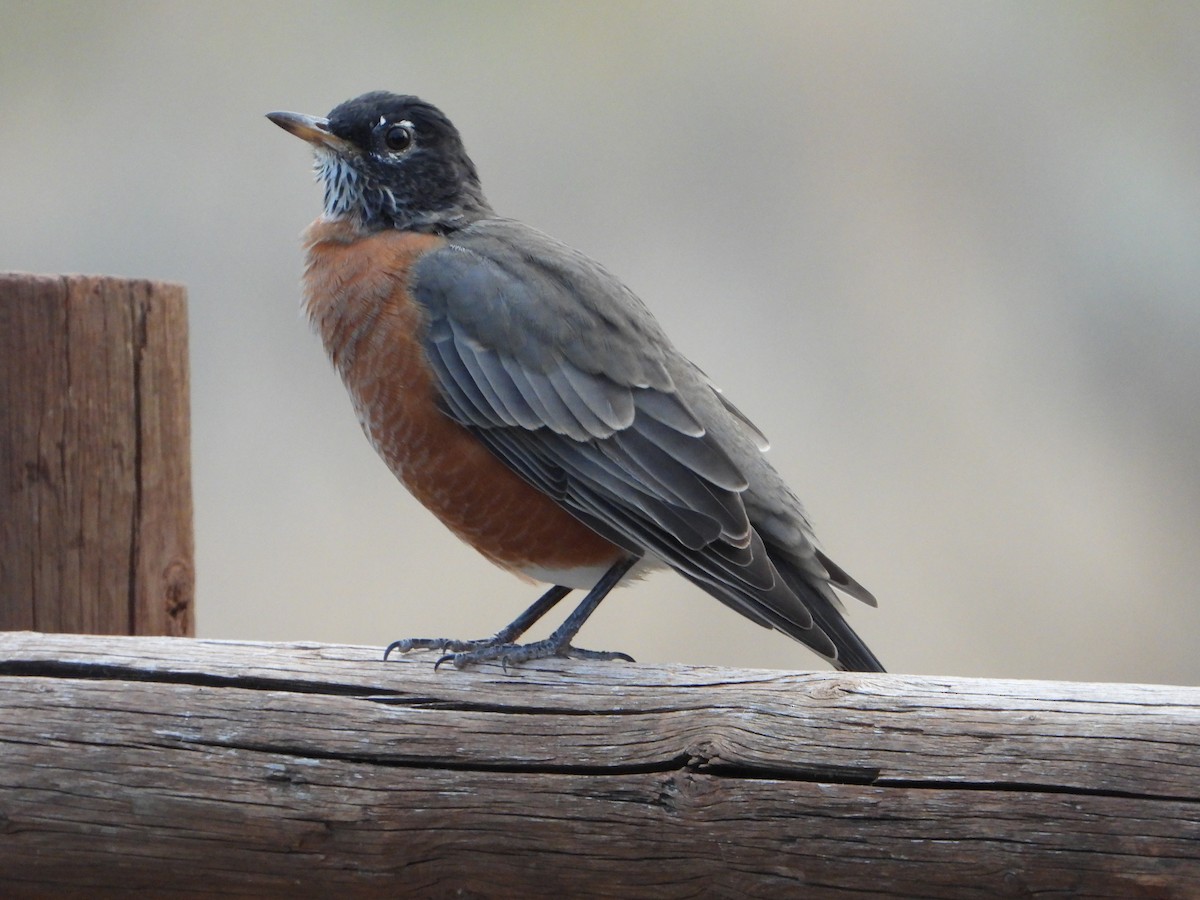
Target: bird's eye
(398, 138)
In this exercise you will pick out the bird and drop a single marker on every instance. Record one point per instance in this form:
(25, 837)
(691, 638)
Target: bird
(532, 402)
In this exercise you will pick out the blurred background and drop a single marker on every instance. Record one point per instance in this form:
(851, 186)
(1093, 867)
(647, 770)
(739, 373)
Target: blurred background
(947, 256)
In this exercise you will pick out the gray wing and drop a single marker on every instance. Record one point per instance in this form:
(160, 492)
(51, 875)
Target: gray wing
(566, 376)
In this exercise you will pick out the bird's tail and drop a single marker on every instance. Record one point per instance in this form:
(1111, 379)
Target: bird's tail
(852, 654)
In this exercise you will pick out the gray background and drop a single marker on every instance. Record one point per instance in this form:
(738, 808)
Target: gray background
(946, 255)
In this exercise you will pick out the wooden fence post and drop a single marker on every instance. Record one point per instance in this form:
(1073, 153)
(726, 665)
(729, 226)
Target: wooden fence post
(95, 503)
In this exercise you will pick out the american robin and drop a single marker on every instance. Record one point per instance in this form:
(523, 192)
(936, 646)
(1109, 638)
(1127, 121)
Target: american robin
(531, 401)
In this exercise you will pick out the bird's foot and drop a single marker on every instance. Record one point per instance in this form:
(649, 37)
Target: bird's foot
(511, 654)
(502, 647)
(495, 649)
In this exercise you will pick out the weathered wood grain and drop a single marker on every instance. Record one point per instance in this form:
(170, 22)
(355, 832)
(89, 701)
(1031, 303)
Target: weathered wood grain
(95, 466)
(196, 768)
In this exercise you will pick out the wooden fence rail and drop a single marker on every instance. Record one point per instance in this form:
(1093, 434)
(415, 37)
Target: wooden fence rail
(198, 768)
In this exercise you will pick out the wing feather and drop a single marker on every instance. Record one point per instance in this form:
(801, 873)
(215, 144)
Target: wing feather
(459, 387)
(667, 409)
(509, 394)
(579, 407)
(702, 455)
(540, 392)
(611, 403)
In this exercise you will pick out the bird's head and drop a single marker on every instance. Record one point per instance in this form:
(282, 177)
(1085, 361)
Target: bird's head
(391, 161)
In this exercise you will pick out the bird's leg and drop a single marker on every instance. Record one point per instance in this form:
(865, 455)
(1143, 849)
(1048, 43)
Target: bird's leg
(505, 635)
(559, 643)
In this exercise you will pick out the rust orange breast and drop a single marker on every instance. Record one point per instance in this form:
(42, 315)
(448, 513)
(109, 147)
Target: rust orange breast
(357, 298)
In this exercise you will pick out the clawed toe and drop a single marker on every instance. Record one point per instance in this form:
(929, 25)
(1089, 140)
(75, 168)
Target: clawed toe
(407, 645)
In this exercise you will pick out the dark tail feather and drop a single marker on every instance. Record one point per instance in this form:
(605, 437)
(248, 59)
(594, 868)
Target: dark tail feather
(853, 654)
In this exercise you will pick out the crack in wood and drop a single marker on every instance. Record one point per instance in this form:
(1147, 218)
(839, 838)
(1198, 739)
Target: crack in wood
(89, 671)
(678, 763)
(689, 763)
(1034, 788)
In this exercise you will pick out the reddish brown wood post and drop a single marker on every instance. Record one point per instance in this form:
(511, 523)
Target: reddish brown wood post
(96, 501)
